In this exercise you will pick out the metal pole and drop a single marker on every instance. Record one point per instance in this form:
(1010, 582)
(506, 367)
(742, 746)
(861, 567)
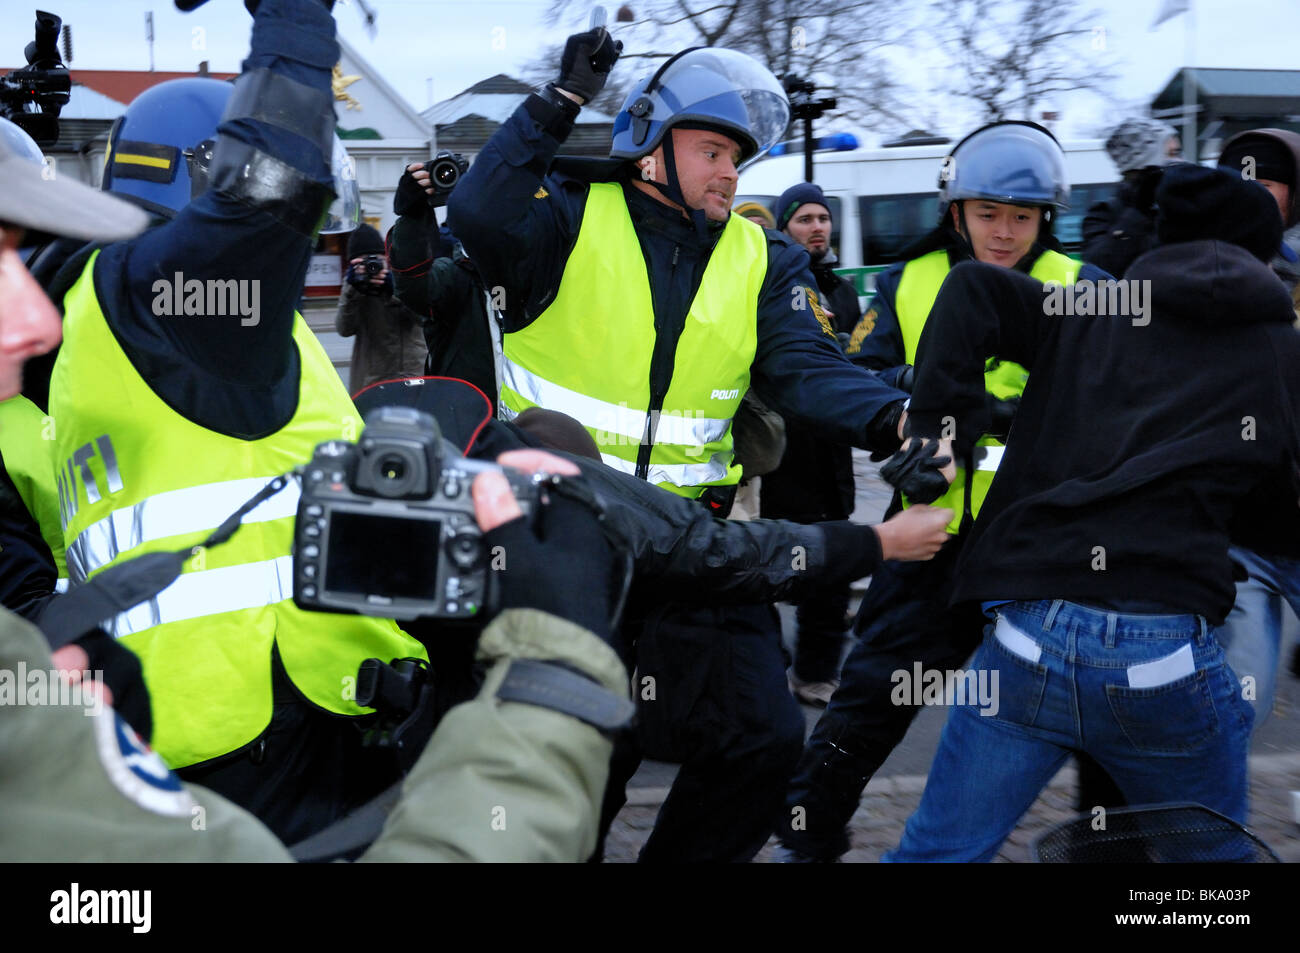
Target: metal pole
(1189, 87)
(807, 149)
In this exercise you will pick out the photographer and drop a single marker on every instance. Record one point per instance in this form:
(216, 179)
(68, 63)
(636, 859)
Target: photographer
(174, 412)
(436, 279)
(388, 339)
(501, 780)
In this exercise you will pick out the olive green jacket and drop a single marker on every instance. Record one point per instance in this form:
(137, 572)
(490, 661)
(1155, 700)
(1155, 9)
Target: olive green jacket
(498, 781)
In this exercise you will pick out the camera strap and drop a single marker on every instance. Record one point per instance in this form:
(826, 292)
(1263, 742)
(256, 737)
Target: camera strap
(118, 588)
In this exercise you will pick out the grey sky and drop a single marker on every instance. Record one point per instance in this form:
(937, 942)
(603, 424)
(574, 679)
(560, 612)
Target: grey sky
(460, 43)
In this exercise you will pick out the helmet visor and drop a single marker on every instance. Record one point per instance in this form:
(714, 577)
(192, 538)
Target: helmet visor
(345, 211)
(730, 90)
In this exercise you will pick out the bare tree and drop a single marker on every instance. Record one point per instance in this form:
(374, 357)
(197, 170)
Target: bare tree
(1011, 57)
(842, 47)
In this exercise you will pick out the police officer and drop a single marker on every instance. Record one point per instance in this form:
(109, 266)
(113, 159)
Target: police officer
(184, 383)
(637, 303)
(815, 479)
(998, 192)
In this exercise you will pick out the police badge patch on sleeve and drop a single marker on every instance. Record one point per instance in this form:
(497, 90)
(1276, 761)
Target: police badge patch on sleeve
(136, 770)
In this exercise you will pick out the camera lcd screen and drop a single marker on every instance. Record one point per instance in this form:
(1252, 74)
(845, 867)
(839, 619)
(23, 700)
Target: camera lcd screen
(383, 555)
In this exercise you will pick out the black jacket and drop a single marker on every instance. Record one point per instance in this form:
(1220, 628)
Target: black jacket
(1119, 230)
(447, 293)
(1134, 443)
(682, 552)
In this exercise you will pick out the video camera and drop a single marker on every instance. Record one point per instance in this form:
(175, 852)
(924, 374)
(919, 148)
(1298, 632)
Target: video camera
(445, 170)
(32, 97)
(386, 526)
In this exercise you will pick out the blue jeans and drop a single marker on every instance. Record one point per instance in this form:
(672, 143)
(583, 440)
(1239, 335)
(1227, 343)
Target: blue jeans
(1148, 696)
(1252, 634)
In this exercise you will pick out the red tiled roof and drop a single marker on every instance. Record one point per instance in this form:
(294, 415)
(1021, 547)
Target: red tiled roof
(126, 85)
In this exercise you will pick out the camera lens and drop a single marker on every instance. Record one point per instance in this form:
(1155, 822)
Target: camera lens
(445, 173)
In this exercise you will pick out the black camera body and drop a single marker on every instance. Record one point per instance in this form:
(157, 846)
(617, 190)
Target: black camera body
(373, 265)
(445, 170)
(386, 526)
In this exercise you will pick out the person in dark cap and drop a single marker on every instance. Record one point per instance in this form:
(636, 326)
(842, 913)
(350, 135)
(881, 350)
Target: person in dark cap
(804, 214)
(1272, 157)
(815, 479)
(389, 341)
(1101, 551)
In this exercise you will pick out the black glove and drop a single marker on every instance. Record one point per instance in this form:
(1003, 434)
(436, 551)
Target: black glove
(410, 199)
(882, 432)
(588, 58)
(564, 564)
(905, 378)
(916, 471)
(1001, 413)
(123, 676)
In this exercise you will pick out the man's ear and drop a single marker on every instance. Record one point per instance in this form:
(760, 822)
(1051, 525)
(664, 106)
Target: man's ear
(647, 165)
(956, 217)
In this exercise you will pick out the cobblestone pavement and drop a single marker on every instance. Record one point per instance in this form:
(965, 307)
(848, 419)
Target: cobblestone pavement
(888, 802)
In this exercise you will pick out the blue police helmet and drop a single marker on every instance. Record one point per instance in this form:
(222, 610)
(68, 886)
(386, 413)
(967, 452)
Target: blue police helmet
(159, 149)
(1015, 162)
(715, 88)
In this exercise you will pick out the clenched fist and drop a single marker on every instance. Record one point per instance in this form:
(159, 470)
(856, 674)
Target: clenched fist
(914, 534)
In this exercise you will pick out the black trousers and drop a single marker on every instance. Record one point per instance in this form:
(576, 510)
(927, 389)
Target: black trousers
(712, 695)
(903, 620)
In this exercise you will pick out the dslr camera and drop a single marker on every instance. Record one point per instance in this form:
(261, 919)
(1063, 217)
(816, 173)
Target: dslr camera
(373, 265)
(386, 526)
(445, 170)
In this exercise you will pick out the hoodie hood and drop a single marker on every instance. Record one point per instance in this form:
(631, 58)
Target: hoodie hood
(1216, 232)
(1196, 203)
(1211, 282)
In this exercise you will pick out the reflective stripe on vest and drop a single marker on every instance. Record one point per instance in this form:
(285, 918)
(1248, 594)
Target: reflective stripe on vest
(211, 591)
(191, 509)
(588, 354)
(134, 476)
(917, 289)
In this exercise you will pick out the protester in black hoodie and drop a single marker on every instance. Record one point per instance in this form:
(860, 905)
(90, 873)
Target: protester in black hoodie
(1103, 541)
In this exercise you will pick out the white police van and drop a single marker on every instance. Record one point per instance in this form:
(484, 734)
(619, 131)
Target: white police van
(884, 199)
